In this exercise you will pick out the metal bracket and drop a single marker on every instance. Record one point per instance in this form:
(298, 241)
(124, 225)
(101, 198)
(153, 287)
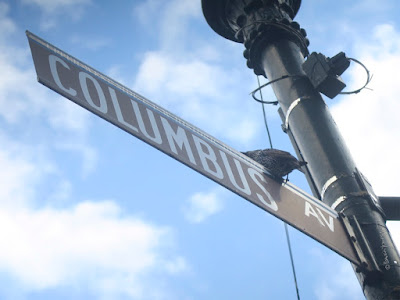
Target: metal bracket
(291, 107)
(360, 244)
(338, 201)
(289, 111)
(327, 184)
(366, 186)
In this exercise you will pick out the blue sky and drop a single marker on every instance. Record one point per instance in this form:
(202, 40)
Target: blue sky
(89, 212)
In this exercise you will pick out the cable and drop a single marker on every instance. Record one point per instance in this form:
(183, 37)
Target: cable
(292, 260)
(268, 83)
(270, 143)
(369, 78)
(264, 114)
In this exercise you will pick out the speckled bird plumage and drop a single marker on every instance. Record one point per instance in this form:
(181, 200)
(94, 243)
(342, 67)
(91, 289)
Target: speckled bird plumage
(279, 163)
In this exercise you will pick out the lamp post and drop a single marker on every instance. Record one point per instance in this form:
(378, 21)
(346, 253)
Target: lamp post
(276, 47)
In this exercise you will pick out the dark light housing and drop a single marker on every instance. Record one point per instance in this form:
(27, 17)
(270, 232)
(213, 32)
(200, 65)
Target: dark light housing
(223, 15)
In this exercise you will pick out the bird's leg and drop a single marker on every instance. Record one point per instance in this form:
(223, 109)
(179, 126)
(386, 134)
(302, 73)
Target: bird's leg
(287, 178)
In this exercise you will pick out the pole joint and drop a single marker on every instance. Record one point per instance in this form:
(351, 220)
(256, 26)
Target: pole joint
(256, 23)
(267, 24)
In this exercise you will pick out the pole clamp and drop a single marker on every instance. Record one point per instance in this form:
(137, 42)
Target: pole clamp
(289, 111)
(360, 244)
(331, 180)
(338, 201)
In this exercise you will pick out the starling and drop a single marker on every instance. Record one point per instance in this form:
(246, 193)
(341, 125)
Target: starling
(279, 163)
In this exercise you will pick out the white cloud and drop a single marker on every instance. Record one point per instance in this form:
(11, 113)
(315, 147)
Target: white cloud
(15, 85)
(192, 76)
(30, 108)
(62, 114)
(243, 130)
(342, 283)
(17, 176)
(22, 98)
(91, 245)
(92, 43)
(169, 18)
(181, 76)
(88, 154)
(200, 92)
(54, 9)
(368, 6)
(46, 248)
(142, 11)
(61, 192)
(369, 120)
(201, 206)
(370, 126)
(7, 27)
(173, 24)
(394, 229)
(51, 6)
(176, 266)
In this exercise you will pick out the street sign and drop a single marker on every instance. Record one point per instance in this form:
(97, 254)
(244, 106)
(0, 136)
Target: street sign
(186, 143)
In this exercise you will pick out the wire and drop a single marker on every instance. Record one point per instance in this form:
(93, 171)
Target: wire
(369, 78)
(270, 143)
(268, 83)
(264, 114)
(292, 260)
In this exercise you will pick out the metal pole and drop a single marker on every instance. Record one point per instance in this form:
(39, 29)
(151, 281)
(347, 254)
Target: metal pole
(332, 168)
(276, 47)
